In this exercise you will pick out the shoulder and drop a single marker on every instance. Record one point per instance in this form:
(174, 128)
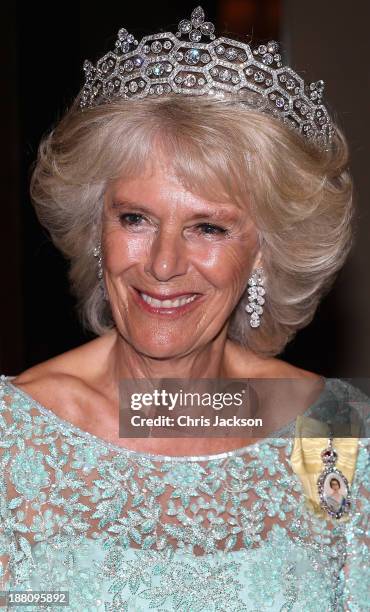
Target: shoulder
(65, 384)
(356, 401)
(277, 368)
(80, 362)
(244, 363)
(58, 391)
(286, 385)
(350, 389)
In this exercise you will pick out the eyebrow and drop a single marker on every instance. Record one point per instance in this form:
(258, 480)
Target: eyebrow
(219, 213)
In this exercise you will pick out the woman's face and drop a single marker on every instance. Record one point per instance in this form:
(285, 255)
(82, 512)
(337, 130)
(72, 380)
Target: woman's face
(334, 485)
(161, 242)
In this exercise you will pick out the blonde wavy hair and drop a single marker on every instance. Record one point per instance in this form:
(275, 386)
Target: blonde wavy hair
(300, 198)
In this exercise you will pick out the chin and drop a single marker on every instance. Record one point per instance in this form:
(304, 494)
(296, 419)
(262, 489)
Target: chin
(157, 345)
(157, 351)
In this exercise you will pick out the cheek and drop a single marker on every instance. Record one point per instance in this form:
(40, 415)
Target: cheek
(122, 252)
(226, 264)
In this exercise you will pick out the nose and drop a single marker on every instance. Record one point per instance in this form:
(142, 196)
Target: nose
(167, 257)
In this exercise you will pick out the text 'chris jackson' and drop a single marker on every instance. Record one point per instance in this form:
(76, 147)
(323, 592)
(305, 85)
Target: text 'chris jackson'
(187, 421)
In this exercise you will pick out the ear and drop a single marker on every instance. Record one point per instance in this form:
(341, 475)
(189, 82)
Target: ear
(257, 263)
(258, 260)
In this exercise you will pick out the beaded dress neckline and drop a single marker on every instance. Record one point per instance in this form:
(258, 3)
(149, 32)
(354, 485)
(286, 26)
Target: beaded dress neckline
(286, 430)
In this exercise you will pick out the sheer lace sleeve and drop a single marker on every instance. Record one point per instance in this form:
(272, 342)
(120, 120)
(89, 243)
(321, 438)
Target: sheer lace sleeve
(6, 532)
(356, 572)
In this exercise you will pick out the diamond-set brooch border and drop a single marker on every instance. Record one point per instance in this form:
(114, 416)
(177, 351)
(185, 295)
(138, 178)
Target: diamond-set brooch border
(329, 458)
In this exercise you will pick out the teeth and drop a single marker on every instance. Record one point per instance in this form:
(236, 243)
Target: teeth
(167, 303)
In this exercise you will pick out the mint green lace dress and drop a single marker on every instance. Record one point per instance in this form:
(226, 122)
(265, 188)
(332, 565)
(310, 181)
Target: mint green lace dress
(128, 531)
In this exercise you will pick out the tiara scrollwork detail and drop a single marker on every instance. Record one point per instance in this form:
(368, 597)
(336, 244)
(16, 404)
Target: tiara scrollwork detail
(163, 63)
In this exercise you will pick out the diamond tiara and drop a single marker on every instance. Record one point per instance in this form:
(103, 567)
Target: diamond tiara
(164, 63)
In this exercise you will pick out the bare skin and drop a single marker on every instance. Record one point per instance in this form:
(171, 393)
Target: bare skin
(160, 238)
(88, 402)
(335, 491)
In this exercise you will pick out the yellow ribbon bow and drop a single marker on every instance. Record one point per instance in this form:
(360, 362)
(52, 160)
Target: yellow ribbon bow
(307, 463)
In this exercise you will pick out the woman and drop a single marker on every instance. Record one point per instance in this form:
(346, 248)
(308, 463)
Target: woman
(335, 499)
(202, 231)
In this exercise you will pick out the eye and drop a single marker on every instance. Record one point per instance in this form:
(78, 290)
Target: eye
(212, 230)
(130, 219)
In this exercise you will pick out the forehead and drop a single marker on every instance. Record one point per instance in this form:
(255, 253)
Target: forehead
(158, 184)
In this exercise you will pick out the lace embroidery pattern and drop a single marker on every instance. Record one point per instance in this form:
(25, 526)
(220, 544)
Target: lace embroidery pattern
(129, 529)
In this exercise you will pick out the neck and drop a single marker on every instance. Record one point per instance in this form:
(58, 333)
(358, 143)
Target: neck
(210, 361)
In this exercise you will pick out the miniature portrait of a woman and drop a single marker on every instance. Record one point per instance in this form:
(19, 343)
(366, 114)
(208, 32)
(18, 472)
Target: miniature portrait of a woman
(199, 189)
(335, 498)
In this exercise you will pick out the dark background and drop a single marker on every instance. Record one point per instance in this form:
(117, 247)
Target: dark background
(44, 46)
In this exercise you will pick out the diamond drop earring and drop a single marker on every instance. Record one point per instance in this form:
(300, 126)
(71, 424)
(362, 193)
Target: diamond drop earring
(256, 291)
(98, 256)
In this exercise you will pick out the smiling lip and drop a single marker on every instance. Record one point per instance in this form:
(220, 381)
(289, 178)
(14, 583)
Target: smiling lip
(165, 296)
(169, 311)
